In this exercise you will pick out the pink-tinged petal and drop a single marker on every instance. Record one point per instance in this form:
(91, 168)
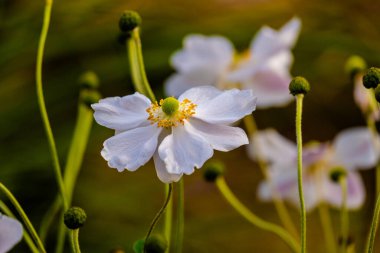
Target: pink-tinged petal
(122, 113)
(183, 150)
(131, 149)
(355, 149)
(268, 145)
(311, 192)
(228, 107)
(355, 192)
(10, 233)
(314, 153)
(200, 95)
(162, 172)
(220, 137)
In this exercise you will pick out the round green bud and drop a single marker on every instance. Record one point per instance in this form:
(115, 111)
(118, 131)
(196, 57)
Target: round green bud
(129, 20)
(89, 80)
(89, 97)
(74, 217)
(170, 106)
(299, 85)
(156, 244)
(337, 173)
(355, 64)
(371, 78)
(212, 170)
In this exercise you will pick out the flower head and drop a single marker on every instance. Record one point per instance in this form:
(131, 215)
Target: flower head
(264, 68)
(364, 99)
(179, 134)
(10, 233)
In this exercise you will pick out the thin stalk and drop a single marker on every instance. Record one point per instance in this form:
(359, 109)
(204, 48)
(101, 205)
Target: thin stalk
(28, 240)
(372, 128)
(180, 217)
(328, 232)
(75, 240)
(24, 217)
(374, 225)
(41, 101)
(299, 99)
(255, 220)
(344, 218)
(168, 218)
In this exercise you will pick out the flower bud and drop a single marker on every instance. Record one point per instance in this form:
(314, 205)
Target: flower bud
(169, 105)
(156, 244)
(377, 94)
(371, 78)
(337, 173)
(74, 217)
(129, 20)
(212, 170)
(354, 65)
(89, 80)
(89, 97)
(299, 85)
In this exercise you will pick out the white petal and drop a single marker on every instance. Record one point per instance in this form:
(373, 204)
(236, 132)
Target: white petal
(182, 150)
(162, 172)
(222, 138)
(179, 83)
(268, 145)
(131, 149)
(355, 148)
(200, 95)
(122, 113)
(10, 233)
(228, 107)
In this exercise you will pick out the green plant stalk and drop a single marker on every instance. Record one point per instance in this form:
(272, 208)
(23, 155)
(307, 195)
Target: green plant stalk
(328, 232)
(24, 217)
(75, 240)
(168, 218)
(252, 218)
(375, 222)
(26, 236)
(299, 99)
(41, 101)
(344, 218)
(180, 217)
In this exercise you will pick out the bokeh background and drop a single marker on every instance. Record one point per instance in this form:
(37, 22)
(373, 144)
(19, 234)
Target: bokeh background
(120, 206)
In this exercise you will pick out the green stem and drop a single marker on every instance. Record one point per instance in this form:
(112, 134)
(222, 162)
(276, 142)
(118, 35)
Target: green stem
(26, 236)
(344, 219)
(328, 232)
(374, 225)
(41, 101)
(158, 215)
(168, 218)
(75, 240)
(180, 217)
(299, 98)
(61, 231)
(24, 217)
(252, 218)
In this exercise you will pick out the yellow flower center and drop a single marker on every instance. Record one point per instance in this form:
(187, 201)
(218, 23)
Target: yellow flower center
(170, 112)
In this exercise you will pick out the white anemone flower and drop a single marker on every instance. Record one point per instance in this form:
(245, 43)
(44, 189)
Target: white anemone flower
(179, 134)
(352, 150)
(210, 60)
(10, 233)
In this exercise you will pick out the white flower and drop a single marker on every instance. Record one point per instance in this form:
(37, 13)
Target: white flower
(10, 233)
(264, 69)
(179, 134)
(352, 149)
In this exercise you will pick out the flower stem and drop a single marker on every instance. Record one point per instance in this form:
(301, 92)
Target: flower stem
(168, 218)
(344, 218)
(299, 99)
(374, 225)
(75, 240)
(24, 217)
(41, 101)
(180, 217)
(372, 128)
(328, 232)
(26, 236)
(252, 218)
(158, 215)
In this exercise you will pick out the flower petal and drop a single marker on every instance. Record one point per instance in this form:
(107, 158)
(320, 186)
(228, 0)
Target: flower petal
(131, 149)
(179, 83)
(10, 233)
(222, 138)
(355, 149)
(182, 150)
(200, 95)
(122, 113)
(162, 172)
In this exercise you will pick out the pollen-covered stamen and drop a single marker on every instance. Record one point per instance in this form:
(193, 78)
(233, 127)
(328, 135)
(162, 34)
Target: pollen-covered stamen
(170, 112)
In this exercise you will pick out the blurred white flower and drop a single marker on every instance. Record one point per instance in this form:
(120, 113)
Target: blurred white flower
(352, 150)
(10, 233)
(210, 60)
(179, 134)
(365, 100)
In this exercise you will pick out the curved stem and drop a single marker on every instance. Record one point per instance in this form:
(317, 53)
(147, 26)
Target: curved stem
(252, 218)
(168, 218)
(41, 101)
(344, 219)
(158, 215)
(75, 240)
(180, 217)
(299, 99)
(374, 225)
(24, 217)
(327, 228)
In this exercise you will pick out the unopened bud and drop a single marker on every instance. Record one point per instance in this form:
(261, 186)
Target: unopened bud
(354, 65)
(74, 217)
(89, 80)
(371, 78)
(299, 85)
(129, 20)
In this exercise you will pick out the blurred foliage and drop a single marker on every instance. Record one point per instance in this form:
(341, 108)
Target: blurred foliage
(120, 206)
